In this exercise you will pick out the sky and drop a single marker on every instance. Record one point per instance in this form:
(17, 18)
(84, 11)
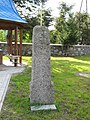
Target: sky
(55, 3)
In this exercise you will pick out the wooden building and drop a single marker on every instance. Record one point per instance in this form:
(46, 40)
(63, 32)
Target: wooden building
(11, 20)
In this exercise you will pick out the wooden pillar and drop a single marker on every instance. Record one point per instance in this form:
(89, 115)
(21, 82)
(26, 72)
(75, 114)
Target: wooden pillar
(10, 43)
(20, 47)
(16, 40)
(16, 47)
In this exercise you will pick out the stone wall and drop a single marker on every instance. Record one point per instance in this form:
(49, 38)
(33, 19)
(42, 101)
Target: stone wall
(56, 49)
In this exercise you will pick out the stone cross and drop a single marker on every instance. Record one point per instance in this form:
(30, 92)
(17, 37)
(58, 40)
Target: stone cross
(41, 89)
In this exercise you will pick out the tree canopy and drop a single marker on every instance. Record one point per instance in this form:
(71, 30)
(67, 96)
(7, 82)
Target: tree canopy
(70, 28)
(66, 25)
(30, 10)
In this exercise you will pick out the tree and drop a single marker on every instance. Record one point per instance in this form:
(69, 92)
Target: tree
(28, 32)
(41, 4)
(55, 37)
(31, 10)
(35, 20)
(83, 20)
(46, 17)
(29, 7)
(67, 26)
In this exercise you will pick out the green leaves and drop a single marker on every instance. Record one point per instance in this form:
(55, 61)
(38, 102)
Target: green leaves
(66, 25)
(2, 36)
(72, 28)
(83, 20)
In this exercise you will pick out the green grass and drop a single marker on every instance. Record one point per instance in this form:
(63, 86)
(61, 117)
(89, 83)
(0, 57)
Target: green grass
(72, 92)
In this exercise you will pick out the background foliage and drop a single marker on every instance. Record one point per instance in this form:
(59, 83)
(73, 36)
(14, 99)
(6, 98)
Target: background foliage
(70, 28)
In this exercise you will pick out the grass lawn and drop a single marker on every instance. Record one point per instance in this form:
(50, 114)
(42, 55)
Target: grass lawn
(72, 92)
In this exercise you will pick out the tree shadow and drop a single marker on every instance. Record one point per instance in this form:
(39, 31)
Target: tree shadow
(68, 67)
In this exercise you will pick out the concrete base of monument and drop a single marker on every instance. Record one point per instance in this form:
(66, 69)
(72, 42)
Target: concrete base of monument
(43, 107)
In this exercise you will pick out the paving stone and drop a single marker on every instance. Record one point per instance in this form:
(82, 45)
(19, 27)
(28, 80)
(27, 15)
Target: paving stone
(5, 78)
(43, 107)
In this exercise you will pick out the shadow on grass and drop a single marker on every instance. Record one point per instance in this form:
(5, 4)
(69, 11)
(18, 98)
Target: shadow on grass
(70, 65)
(71, 93)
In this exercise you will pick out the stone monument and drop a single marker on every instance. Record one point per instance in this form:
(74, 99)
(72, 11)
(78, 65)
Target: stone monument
(41, 87)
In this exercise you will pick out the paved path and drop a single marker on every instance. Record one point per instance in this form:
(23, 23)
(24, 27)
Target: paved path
(6, 70)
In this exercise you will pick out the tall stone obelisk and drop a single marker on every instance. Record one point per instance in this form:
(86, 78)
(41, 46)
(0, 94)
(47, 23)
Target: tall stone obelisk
(41, 89)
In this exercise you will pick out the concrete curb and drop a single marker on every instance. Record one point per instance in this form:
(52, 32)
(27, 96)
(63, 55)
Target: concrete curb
(5, 79)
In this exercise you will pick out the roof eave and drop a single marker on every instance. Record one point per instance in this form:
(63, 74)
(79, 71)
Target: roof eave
(9, 24)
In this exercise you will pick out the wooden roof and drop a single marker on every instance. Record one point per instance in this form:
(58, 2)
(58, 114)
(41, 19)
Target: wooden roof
(9, 17)
(10, 25)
